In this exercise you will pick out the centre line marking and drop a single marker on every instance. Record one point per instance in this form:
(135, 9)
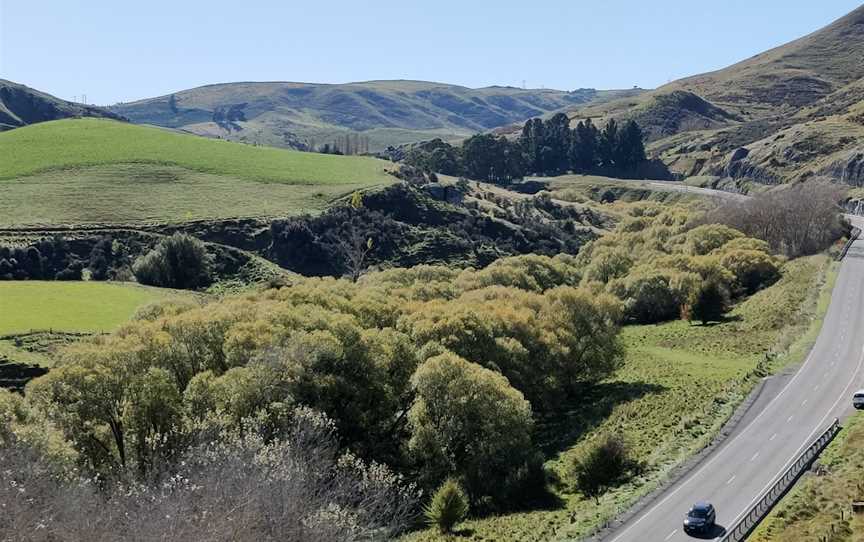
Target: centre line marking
(804, 402)
(730, 480)
(671, 534)
(789, 419)
(754, 457)
(772, 437)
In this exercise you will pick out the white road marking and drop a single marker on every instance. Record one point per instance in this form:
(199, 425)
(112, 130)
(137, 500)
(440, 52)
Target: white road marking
(789, 419)
(807, 441)
(804, 402)
(772, 437)
(671, 534)
(757, 454)
(720, 453)
(729, 481)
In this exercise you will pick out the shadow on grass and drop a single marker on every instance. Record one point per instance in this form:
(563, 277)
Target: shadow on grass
(725, 319)
(560, 429)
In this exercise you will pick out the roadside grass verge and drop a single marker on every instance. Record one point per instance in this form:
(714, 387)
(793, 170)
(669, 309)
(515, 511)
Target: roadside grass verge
(819, 507)
(88, 307)
(680, 383)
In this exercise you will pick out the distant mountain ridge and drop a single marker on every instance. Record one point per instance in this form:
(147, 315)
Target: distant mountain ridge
(790, 113)
(21, 105)
(303, 115)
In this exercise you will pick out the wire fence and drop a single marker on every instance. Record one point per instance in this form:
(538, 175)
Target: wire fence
(739, 531)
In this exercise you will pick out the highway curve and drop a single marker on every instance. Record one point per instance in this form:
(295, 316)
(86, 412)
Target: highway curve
(735, 475)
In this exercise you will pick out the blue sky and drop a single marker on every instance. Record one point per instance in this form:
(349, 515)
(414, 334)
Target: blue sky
(124, 50)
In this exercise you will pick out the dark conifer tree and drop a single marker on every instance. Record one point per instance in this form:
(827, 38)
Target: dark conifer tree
(608, 146)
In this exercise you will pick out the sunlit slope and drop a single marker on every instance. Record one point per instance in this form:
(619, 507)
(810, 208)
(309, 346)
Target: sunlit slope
(101, 171)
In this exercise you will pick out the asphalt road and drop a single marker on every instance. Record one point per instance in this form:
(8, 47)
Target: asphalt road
(753, 457)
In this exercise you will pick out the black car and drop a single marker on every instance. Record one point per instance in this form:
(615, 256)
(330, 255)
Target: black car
(701, 518)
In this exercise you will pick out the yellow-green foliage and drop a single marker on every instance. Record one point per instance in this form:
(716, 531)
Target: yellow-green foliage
(459, 403)
(656, 266)
(657, 401)
(349, 350)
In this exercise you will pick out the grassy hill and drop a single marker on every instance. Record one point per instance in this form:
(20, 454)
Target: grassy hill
(21, 105)
(103, 171)
(300, 115)
(796, 110)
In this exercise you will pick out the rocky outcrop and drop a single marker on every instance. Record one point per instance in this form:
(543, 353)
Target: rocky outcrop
(848, 169)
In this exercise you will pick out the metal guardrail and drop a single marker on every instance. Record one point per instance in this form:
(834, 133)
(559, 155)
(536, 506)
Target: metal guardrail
(757, 513)
(852, 237)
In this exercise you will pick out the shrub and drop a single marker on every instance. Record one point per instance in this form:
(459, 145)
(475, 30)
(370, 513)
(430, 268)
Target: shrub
(704, 239)
(606, 464)
(648, 297)
(449, 506)
(708, 303)
(179, 261)
(753, 269)
(467, 422)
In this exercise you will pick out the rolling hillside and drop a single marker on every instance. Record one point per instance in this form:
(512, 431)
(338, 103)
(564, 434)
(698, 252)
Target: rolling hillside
(794, 112)
(102, 171)
(21, 105)
(303, 115)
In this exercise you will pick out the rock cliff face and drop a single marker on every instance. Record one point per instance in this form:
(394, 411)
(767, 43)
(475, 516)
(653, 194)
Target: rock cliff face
(847, 168)
(21, 105)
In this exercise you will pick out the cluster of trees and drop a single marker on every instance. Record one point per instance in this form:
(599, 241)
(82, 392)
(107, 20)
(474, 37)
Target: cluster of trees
(795, 220)
(53, 259)
(663, 268)
(349, 144)
(550, 147)
(430, 370)
(179, 261)
(547, 147)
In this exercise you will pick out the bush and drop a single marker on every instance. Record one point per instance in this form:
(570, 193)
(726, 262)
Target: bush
(179, 261)
(753, 269)
(606, 464)
(648, 297)
(708, 303)
(468, 422)
(704, 239)
(449, 506)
